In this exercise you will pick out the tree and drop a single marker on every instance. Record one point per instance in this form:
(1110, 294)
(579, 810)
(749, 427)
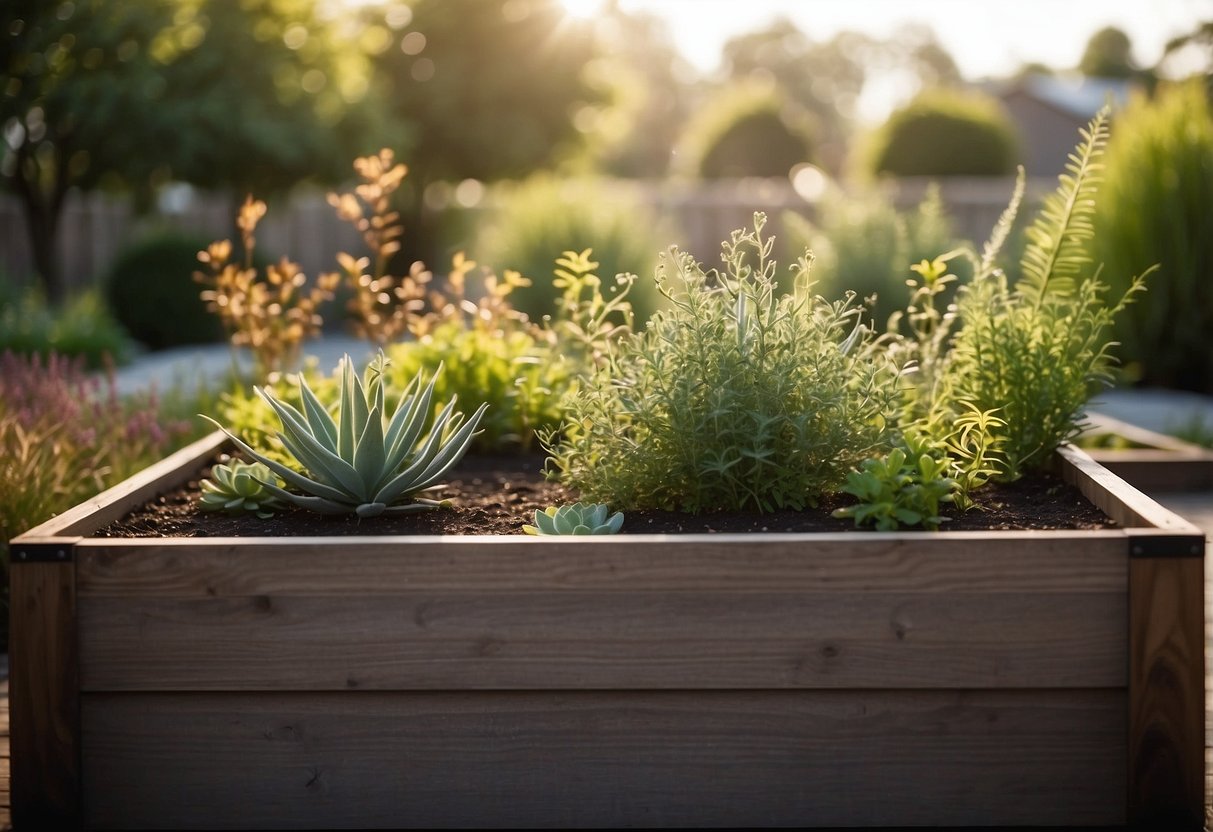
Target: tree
(823, 78)
(642, 84)
(827, 78)
(247, 95)
(487, 84)
(489, 88)
(1190, 53)
(749, 129)
(1108, 54)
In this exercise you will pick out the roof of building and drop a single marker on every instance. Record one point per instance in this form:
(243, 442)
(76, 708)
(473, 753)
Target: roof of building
(1078, 95)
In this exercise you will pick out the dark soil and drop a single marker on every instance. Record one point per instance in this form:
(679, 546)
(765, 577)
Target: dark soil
(496, 495)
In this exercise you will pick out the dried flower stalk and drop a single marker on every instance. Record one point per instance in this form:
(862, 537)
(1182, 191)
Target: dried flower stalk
(272, 316)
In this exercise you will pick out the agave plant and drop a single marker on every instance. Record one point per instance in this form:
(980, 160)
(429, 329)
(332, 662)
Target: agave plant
(578, 518)
(239, 487)
(362, 461)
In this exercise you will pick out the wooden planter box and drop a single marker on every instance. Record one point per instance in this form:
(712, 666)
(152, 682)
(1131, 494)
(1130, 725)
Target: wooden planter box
(1013, 678)
(1162, 463)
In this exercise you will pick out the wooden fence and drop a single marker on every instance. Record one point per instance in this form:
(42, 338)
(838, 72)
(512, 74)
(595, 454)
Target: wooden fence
(96, 227)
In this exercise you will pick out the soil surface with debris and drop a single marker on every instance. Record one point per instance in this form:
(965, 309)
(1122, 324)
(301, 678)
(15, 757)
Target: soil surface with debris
(497, 494)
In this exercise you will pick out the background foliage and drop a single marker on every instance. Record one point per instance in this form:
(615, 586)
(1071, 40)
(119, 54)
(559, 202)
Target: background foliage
(943, 133)
(1156, 209)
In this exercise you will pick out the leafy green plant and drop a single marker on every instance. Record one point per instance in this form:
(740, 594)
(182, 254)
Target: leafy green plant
(575, 519)
(897, 490)
(1155, 209)
(1032, 351)
(944, 133)
(863, 244)
(532, 221)
(734, 397)
(237, 488)
(492, 353)
(83, 327)
(363, 461)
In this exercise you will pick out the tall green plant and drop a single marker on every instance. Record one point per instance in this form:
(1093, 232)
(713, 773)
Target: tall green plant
(1157, 207)
(736, 397)
(536, 219)
(1031, 351)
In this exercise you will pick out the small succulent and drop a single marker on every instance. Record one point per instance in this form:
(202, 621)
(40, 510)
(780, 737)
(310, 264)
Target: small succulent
(363, 462)
(238, 487)
(578, 518)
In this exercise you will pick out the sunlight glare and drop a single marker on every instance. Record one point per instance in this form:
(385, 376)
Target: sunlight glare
(582, 9)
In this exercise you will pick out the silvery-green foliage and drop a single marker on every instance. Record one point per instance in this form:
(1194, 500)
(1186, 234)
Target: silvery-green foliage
(363, 460)
(735, 397)
(575, 519)
(236, 487)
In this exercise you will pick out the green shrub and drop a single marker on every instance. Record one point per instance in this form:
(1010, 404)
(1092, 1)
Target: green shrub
(1031, 351)
(1157, 207)
(864, 245)
(83, 327)
(732, 398)
(534, 221)
(748, 130)
(943, 133)
(151, 288)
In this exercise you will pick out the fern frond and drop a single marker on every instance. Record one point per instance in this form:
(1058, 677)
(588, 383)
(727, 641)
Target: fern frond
(1002, 228)
(1056, 241)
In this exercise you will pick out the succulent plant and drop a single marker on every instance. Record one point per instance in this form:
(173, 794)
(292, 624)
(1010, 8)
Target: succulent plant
(362, 461)
(578, 518)
(238, 487)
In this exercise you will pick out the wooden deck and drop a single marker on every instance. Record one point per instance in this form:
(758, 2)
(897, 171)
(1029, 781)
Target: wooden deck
(1197, 507)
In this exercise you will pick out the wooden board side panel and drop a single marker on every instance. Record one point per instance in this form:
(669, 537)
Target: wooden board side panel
(1167, 693)
(43, 697)
(1029, 562)
(1115, 497)
(114, 503)
(599, 759)
(588, 640)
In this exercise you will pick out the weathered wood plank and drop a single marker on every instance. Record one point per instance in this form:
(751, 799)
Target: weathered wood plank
(1115, 497)
(1166, 692)
(1155, 471)
(601, 759)
(44, 696)
(605, 641)
(112, 504)
(1037, 562)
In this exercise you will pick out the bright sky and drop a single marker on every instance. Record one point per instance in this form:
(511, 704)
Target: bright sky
(985, 37)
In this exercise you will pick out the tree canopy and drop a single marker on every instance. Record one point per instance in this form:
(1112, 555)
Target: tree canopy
(255, 95)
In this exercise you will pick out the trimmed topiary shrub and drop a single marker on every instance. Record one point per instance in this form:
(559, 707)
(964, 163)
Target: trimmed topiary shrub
(151, 289)
(748, 130)
(533, 222)
(1155, 207)
(945, 133)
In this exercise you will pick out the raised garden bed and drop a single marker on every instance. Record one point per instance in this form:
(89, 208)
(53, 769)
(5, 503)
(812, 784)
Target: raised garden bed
(841, 678)
(1148, 460)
